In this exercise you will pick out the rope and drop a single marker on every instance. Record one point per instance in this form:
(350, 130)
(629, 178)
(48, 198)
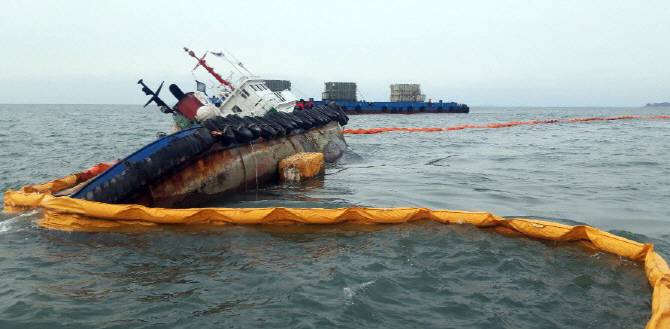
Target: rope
(300, 92)
(360, 93)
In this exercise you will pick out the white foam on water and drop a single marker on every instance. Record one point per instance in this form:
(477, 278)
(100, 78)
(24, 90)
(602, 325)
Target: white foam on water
(6, 226)
(348, 293)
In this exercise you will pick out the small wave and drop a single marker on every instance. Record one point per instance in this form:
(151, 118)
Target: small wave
(549, 219)
(348, 293)
(6, 226)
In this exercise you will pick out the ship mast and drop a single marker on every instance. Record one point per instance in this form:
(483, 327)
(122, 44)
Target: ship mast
(201, 61)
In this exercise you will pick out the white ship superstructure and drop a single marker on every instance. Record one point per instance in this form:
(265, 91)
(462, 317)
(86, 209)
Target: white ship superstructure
(248, 96)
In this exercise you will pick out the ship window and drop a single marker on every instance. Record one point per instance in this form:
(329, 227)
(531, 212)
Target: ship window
(253, 87)
(280, 96)
(236, 109)
(262, 87)
(245, 93)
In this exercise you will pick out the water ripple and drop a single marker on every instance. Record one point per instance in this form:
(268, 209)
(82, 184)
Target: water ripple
(608, 174)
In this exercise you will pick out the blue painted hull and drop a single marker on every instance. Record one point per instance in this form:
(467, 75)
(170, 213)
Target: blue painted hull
(139, 167)
(398, 107)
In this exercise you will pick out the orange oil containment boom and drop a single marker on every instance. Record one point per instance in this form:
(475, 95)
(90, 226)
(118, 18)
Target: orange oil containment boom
(68, 214)
(495, 125)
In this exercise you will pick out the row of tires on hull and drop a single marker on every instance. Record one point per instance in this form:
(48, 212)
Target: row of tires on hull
(235, 129)
(129, 180)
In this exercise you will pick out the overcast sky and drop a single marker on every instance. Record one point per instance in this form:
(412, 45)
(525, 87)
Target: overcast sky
(504, 53)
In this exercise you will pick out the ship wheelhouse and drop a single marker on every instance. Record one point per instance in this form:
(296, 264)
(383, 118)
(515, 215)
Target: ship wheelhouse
(253, 97)
(248, 96)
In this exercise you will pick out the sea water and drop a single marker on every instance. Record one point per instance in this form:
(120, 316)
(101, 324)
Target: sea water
(613, 175)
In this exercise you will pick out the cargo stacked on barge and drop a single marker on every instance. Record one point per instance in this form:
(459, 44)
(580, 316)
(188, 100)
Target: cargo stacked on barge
(404, 99)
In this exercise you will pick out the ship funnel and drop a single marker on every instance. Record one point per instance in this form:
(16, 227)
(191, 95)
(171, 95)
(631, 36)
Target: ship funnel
(176, 92)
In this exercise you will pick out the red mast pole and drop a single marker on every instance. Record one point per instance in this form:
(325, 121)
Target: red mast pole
(201, 61)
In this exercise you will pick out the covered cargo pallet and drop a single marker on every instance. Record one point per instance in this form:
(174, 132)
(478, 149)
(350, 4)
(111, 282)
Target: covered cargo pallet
(340, 91)
(406, 92)
(278, 85)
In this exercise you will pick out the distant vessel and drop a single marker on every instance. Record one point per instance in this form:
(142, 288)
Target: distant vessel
(664, 104)
(404, 99)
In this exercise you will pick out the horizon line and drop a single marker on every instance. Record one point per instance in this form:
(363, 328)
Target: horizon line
(565, 106)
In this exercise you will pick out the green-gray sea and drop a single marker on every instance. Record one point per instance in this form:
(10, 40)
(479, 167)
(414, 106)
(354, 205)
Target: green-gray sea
(614, 175)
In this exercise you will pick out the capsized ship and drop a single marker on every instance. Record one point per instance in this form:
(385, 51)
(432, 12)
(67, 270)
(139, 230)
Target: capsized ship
(232, 143)
(404, 99)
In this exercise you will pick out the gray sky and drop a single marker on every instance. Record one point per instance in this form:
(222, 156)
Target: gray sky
(506, 53)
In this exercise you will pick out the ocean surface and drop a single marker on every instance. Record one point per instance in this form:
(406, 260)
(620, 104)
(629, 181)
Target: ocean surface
(614, 175)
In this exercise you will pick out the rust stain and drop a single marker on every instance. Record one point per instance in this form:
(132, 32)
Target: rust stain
(230, 170)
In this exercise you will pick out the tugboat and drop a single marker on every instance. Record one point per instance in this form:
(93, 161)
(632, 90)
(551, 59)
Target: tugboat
(232, 143)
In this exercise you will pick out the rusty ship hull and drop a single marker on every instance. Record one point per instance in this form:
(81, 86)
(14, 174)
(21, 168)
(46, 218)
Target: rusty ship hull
(223, 171)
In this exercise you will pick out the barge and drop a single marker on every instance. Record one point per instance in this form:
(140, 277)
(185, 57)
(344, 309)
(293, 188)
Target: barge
(361, 107)
(404, 99)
